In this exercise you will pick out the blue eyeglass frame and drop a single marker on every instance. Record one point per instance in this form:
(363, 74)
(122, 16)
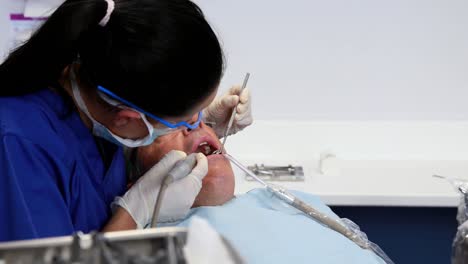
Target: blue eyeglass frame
(160, 120)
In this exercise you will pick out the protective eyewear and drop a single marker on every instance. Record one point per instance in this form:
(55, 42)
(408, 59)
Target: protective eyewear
(160, 120)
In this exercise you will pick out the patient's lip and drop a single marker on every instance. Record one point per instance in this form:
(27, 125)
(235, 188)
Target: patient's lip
(215, 157)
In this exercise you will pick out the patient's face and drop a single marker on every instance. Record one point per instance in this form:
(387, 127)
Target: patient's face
(218, 185)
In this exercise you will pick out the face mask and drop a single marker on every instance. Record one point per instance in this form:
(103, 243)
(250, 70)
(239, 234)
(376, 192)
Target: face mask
(103, 132)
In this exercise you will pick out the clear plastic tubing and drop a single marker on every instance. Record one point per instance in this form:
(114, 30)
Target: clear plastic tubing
(313, 213)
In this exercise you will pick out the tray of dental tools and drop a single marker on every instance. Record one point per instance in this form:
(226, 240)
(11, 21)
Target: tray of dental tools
(162, 245)
(276, 173)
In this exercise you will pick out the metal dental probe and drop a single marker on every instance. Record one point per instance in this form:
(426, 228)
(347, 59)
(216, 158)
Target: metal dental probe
(242, 167)
(231, 121)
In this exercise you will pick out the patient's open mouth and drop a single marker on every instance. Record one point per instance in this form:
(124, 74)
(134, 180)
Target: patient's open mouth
(206, 148)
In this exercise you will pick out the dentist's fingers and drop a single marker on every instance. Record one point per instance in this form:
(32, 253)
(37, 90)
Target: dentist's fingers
(162, 168)
(229, 101)
(242, 109)
(181, 194)
(235, 90)
(201, 169)
(244, 119)
(245, 96)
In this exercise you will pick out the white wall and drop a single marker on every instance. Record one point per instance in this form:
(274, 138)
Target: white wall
(348, 60)
(341, 59)
(7, 7)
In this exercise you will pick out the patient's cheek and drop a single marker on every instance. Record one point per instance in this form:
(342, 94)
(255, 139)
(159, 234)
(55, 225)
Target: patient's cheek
(149, 156)
(218, 186)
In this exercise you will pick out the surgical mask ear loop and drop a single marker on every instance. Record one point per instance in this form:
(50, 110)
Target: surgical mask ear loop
(117, 104)
(77, 95)
(102, 131)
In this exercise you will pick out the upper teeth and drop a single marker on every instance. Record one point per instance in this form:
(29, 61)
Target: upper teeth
(205, 148)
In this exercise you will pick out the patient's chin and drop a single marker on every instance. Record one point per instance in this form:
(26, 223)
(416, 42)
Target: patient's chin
(218, 185)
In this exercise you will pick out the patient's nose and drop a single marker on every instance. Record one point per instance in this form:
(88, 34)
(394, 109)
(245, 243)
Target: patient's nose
(194, 119)
(188, 131)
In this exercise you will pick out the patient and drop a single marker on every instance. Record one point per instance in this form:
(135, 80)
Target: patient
(261, 228)
(218, 184)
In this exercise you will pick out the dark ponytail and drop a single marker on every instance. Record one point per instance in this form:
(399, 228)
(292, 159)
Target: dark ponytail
(161, 55)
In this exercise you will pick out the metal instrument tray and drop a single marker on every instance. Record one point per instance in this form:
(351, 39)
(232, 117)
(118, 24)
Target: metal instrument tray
(276, 173)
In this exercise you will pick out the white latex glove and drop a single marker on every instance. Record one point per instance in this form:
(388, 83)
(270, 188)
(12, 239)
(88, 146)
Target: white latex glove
(220, 110)
(140, 200)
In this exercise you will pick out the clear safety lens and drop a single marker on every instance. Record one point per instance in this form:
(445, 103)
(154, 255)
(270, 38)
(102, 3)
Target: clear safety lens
(162, 129)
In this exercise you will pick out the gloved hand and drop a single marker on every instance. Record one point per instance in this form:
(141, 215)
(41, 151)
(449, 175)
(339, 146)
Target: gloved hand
(219, 112)
(140, 200)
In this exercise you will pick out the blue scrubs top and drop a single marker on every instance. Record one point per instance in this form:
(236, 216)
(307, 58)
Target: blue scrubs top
(53, 180)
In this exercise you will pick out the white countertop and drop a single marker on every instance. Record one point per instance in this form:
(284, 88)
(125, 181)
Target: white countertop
(376, 163)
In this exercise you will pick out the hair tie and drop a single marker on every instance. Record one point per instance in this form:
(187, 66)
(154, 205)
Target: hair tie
(110, 9)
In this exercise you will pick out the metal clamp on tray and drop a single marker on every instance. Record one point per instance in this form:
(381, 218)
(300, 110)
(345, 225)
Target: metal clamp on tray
(277, 173)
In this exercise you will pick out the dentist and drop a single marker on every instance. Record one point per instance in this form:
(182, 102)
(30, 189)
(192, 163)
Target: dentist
(100, 75)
